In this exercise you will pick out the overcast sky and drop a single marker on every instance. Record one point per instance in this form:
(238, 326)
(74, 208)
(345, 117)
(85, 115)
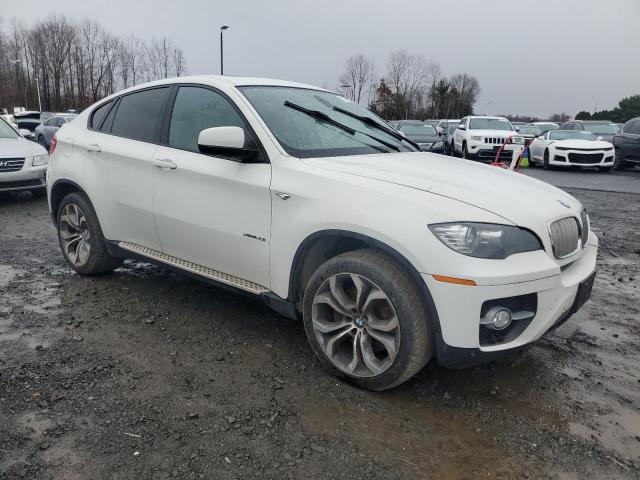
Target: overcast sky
(531, 57)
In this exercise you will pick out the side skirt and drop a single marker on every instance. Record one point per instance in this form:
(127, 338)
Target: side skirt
(199, 272)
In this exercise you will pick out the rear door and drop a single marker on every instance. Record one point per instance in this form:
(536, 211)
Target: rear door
(120, 167)
(211, 210)
(631, 140)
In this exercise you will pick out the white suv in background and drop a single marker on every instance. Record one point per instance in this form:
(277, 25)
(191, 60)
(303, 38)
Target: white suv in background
(292, 193)
(480, 138)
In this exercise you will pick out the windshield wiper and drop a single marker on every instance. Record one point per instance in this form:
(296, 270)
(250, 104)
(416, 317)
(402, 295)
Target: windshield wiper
(323, 116)
(370, 121)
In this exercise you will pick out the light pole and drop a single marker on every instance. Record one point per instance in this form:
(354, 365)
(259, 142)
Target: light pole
(222, 29)
(38, 90)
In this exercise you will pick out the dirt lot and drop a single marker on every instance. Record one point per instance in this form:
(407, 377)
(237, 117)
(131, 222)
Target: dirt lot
(146, 374)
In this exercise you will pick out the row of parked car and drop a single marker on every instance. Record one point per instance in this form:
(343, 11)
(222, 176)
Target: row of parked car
(576, 143)
(39, 126)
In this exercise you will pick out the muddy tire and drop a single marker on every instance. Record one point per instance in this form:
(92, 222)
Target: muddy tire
(366, 321)
(80, 236)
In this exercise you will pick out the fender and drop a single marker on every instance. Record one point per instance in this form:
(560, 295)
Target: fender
(60, 183)
(372, 243)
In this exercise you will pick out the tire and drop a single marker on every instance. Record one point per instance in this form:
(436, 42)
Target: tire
(465, 152)
(453, 150)
(545, 164)
(618, 162)
(80, 237)
(397, 298)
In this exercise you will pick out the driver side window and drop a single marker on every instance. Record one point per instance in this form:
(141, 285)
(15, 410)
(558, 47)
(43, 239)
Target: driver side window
(196, 109)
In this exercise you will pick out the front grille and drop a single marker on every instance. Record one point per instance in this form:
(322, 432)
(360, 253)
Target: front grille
(494, 140)
(585, 158)
(564, 236)
(584, 230)
(11, 164)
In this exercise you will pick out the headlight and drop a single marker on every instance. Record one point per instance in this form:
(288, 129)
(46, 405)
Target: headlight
(40, 160)
(476, 138)
(485, 240)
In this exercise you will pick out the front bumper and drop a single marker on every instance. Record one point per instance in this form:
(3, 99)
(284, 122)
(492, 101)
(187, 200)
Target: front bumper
(576, 158)
(487, 153)
(459, 307)
(28, 178)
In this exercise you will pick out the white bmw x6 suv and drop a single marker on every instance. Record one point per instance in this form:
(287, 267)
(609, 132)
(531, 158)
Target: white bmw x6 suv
(296, 195)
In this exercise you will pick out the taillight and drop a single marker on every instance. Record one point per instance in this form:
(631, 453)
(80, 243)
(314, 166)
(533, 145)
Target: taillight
(52, 144)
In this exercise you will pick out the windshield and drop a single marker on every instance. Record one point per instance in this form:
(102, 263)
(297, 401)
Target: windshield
(529, 130)
(418, 129)
(6, 130)
(305, 136)
(602, 128)
(570, 135)
(489, 124)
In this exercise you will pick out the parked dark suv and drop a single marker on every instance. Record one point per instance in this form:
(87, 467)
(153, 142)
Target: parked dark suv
(627, 144)
(600, 128)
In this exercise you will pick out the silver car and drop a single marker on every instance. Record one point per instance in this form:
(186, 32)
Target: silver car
(45, 131)
(23, 164)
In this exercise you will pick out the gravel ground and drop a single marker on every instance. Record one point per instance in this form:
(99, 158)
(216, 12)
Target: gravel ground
(147, 374)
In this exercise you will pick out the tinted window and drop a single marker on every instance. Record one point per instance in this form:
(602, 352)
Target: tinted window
(51, 122)
(108, 122)
(633, 127)
(99, 114)
(196, 109)
(139, 115)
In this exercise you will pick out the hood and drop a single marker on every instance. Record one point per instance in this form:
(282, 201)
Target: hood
(505, 193)
(581, 144)
(19, 147)
(424, 138)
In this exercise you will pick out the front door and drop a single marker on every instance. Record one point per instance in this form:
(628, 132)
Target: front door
(210, 210)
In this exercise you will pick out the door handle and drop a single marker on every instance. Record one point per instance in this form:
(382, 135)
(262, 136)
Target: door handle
(165, 163)
(94, 147)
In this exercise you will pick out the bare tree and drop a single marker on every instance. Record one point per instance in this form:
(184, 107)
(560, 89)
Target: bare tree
(357, 75)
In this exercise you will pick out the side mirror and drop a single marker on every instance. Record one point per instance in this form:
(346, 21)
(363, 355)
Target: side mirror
(24, 132)
(230, 143)
(462, 127)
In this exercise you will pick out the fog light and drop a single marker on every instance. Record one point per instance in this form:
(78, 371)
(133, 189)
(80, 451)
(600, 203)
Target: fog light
(499, 318)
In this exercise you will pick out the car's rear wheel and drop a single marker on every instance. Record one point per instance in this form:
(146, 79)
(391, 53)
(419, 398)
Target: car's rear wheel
(366, 321)
(81, 239)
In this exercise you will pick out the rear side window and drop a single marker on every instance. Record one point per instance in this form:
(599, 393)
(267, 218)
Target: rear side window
(139, 115)
(196, 109)
(99, 114)
(632, 127)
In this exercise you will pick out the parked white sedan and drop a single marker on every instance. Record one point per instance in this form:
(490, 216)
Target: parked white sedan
(568, 148)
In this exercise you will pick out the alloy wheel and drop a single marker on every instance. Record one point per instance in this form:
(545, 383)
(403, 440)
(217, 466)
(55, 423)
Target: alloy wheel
(356, 325)
(74, 235)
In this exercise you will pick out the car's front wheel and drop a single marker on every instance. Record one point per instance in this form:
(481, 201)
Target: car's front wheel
(465, 152)
(545, 160)
(80, 236)
(618, 162)
(366, 320)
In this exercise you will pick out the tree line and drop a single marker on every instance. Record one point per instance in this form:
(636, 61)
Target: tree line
(74, 64)
(413, 87)
(628, 108)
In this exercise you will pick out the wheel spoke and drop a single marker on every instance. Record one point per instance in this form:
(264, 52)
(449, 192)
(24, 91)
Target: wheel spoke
(336, 339)
(374, 294)
(368, 357)
(387, 340)
(355, 360)
(83, 252)
(328, 299)
(361, 290)
(324, 326)
(337, 290)
(383, 325)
